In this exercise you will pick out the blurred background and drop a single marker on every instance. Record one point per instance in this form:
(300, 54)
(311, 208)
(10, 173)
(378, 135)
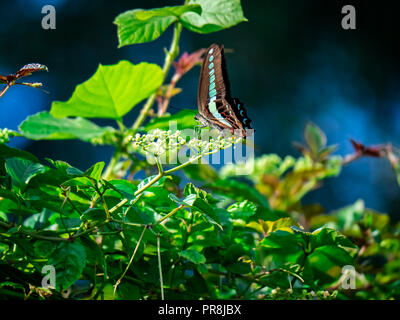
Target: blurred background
(291, 62)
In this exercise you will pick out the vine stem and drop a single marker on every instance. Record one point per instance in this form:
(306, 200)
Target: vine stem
(130, 261)
(3, 91)
(159, 266)
(170, 56)
(162, 173)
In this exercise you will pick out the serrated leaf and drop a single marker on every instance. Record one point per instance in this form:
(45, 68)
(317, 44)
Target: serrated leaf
(139, 26)
(43, 126)
(283, 224)
(69, 260)
(216, 15)
(111, 92)
(242, 210)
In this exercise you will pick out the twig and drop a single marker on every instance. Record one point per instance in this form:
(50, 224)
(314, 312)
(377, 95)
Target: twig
(159, 266)
(130, 261)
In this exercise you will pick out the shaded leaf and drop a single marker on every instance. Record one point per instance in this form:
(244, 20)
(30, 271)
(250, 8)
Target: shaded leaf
(69, 260)
(193, 256)
(43, 126)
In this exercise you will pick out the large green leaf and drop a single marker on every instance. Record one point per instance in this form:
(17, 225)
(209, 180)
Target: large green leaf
(69, 260)
(111, 92)
(43, 126)
(139, 26)
(22, 170)
(216, 15)
(8, 152)
(181, 120)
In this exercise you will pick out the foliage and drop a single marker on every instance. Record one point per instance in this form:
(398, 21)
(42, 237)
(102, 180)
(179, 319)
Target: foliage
(185, 231)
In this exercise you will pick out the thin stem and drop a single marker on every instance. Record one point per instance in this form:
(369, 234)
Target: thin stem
(158, 177)
(128, 223)
(169, 214)
(33, 234)
(170, 56)
(159, 266)
(3, 91)
(183, 165)
(108, 216)
(130, 261)
(114, 160)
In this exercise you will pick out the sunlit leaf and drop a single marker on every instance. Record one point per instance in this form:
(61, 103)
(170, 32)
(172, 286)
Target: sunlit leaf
(111, 92)
(216, 15)
(139, 26)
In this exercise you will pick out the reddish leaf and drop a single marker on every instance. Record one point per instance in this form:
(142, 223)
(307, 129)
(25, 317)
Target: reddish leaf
(28, 69)
(372, 151)
(188, 61)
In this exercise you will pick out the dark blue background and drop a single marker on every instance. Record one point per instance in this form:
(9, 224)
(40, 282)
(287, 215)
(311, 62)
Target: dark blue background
(292, 62)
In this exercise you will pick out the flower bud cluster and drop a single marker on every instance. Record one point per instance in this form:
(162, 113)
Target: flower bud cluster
(5, 135)
(159, 142)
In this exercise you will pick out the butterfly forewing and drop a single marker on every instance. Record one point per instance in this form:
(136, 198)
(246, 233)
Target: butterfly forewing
(217, 108)
(213, 76)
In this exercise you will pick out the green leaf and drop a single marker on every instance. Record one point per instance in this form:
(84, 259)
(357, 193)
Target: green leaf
(69, 260)
(8, 152)
(95, 171)
(216, 15)
(94, 214)
(38, 220)
(284, 240)
(183, 119)
(139, 26)
(350, 215)
(7, 194)
(242, 210)
(239, 191)
(315, 137)
(188, 201)
(128, 291)
(111, 92)
(326, 236)
(123, 187)
(43, 248)
(324, 265)
(43, 126)
(232, 259)
(193, 256)
(22, 170)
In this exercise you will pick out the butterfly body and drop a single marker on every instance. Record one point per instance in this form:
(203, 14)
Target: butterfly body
(217, 109)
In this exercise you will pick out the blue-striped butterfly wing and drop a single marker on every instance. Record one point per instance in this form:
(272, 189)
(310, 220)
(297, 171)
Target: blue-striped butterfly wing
(217, 108)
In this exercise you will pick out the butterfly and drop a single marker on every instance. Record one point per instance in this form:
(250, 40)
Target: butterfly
(217, 109)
